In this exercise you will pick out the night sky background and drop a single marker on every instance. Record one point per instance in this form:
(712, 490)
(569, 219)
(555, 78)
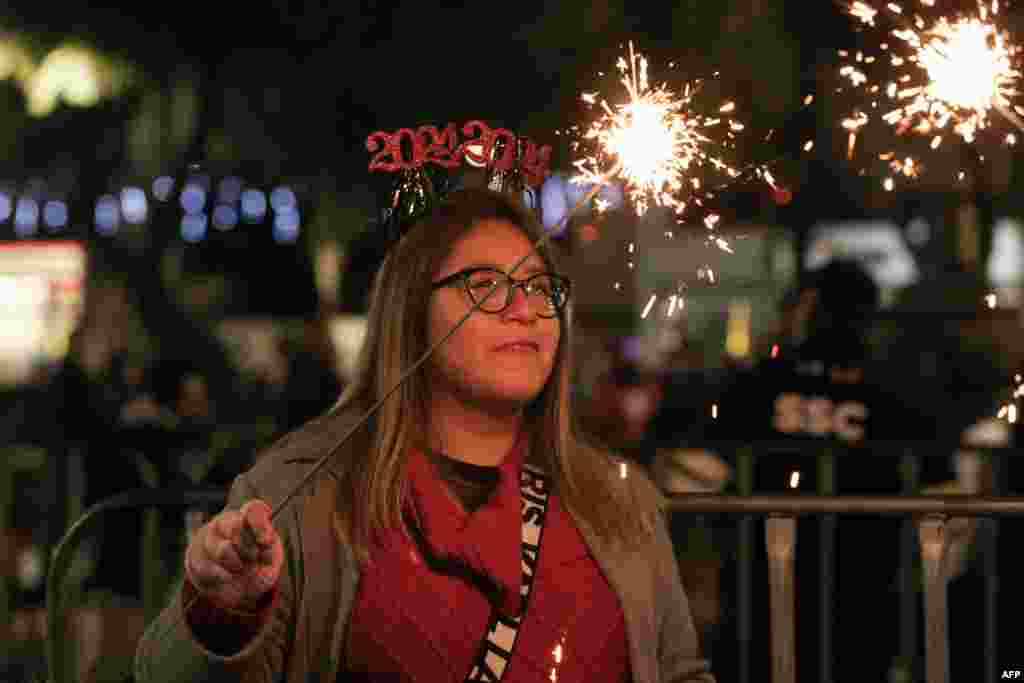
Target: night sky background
(341, 70)
(313, 79)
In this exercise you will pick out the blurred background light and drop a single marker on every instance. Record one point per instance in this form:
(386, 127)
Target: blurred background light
(55, 214)
(230, 190)
(108, 215)
(225, 217)
(5, 206)
(282, 199)
(193, 198)
(69, 74)
(254, 205)
(193, 227)
(134, 205)
(286, 226)
(162, 188)
(26, 217)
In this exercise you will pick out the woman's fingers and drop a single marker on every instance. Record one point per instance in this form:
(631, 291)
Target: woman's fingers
(236, 555)
(227, 524)
(257, 533)
(202, 570)
(208, 576)
(256, 514)
(225, 554)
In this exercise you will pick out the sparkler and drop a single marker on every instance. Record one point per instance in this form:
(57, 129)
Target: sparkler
(665, 151)
(932, 75)
(656, 142)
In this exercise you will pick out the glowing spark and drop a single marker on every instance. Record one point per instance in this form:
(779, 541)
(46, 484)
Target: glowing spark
(647, 308)
(672, 305)
(622, 474)
(775, 351)
(714, 411)
(938, 73)
(665, 150)
(794, 479)
(809, 145)
(655, 141)
(1009, 410)
(558, 652)
(990, 300)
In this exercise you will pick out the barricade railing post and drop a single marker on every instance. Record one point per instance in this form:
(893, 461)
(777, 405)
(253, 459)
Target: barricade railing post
(931, 532)
(826, 558)
(744, 567)
(780, 541)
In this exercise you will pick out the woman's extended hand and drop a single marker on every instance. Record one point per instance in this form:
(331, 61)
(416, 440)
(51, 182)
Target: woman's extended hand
(230, 566)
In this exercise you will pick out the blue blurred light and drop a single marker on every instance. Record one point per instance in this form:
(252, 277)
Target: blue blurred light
(613, 194)
(55, 214)
(559, 195)
(26, 217)
(230, 190)
(193, 198)
(134, 205)
(282, 199)
(108, 215)
(162, 187)
(5, 206)
(286, 226)
(193, 227)
(553, 202)
(225, 217)
(632, 348)
(254, 204)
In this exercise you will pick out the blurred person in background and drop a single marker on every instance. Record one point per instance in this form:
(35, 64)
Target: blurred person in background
(817, 387)
(624, 400)
(314, 380)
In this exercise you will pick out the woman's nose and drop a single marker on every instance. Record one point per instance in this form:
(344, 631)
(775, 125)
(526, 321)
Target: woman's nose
(519, 303)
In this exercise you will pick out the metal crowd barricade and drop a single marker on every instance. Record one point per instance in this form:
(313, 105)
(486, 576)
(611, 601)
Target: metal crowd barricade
(931, 513)
(58, 654)
(780, 510)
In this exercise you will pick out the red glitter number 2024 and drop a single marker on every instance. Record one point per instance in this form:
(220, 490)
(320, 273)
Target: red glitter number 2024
(407, 149)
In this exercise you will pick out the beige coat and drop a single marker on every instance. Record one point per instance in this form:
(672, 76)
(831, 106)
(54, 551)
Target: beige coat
(303, 640)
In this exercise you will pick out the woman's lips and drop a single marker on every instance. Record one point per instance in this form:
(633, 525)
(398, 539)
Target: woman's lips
(519, 347)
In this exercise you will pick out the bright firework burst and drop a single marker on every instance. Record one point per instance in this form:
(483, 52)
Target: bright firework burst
(667, 153)
(932, 75)
(657, 143)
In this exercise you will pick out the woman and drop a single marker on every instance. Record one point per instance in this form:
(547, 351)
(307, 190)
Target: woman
(464, 533)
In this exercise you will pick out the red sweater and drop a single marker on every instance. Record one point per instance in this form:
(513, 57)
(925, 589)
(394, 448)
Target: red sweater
(417, 623)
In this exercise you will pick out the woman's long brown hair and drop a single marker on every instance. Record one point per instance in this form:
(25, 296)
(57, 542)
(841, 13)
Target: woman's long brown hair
(369, 471)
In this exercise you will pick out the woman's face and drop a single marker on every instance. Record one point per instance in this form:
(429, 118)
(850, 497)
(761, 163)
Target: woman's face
(476, 364)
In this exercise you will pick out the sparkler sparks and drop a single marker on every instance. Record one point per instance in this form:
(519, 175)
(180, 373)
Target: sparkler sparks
(1008, 411)
(657, 143)
(932, 75)
(668, 151)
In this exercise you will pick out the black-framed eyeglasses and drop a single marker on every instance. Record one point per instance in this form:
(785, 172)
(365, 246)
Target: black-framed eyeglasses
(547, 293)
